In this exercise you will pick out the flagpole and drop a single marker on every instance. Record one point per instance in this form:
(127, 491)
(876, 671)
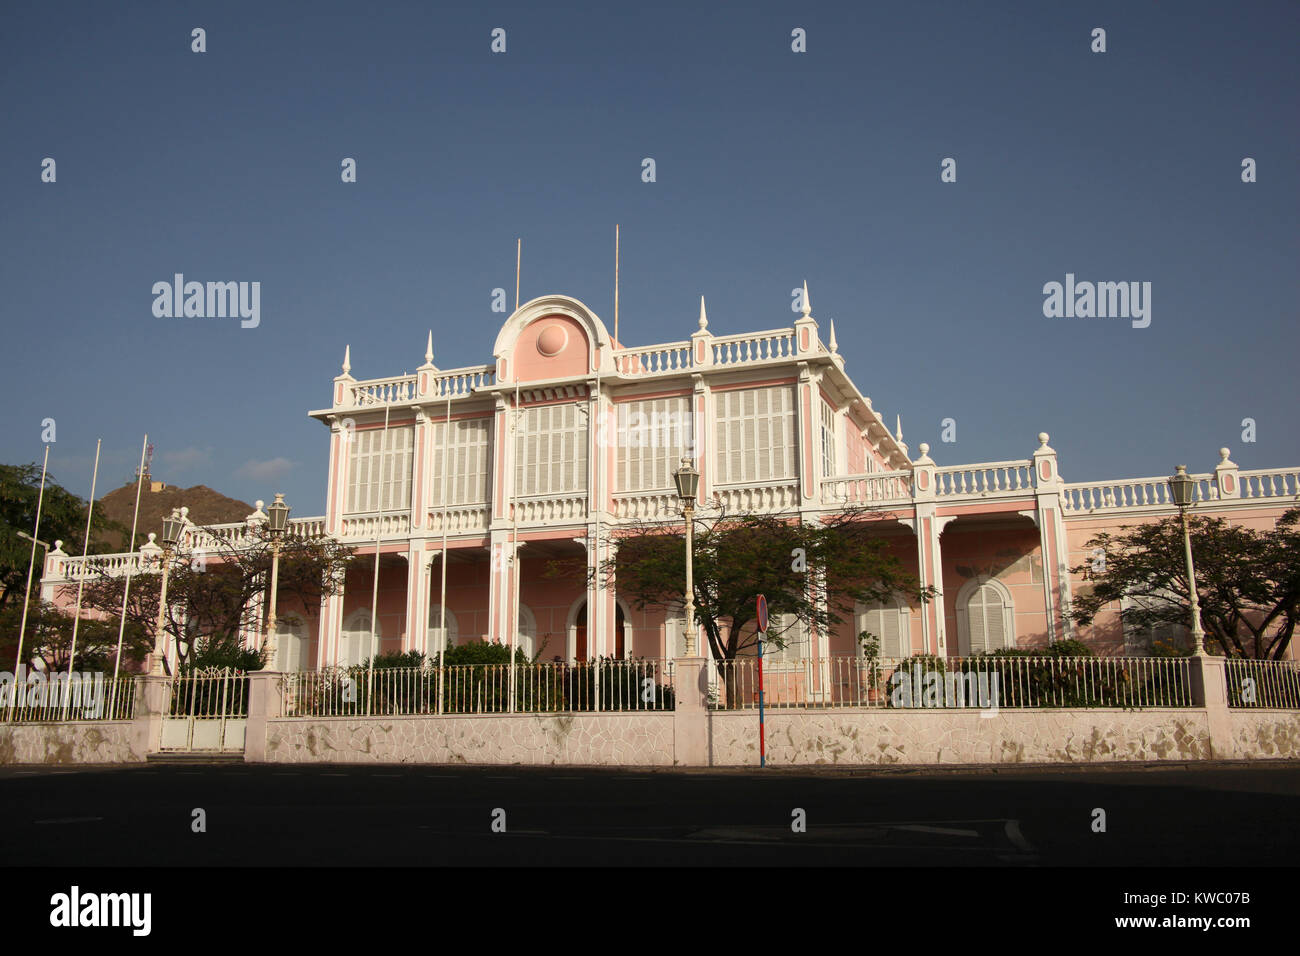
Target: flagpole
(374, 591)
(27, 594)
(130, 566)
(81, 581)
(442, 597)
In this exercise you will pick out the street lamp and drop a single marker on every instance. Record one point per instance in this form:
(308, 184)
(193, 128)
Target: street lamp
(173, 527)
(688, 483)
(277, 522)
(1182, 487)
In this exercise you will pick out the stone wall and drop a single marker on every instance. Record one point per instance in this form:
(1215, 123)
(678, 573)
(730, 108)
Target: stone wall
(582, 739)
(83, 741)
(1264, 734)
(920, 737)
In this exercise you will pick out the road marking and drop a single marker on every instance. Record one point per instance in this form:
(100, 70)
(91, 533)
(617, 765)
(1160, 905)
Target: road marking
(1018, 838)
(949, 830)
(71, 820)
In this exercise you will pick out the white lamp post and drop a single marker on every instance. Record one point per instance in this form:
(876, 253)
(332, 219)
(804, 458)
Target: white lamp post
(172, 529)
(688, 483)
(1182, 487)
(277, 521)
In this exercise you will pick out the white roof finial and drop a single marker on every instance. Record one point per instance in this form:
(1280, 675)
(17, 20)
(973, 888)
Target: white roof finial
(428, 350)
(807, 306)
(704, 319)
(898, 428)
(347, 359)
(833, 344)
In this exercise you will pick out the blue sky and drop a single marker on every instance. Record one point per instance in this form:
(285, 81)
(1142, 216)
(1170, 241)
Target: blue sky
(772, 167)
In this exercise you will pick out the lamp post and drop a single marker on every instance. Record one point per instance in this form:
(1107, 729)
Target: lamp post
(277, 521)
(172, 529)
(688, 483)
(1182, 487)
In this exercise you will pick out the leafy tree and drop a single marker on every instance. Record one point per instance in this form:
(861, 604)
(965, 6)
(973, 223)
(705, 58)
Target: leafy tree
(63, 517)
(814, 572)
(49, 638)
(1248, 581)
(213, 592)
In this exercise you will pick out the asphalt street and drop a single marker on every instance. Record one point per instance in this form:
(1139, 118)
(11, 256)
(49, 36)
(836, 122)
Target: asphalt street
(258, 815)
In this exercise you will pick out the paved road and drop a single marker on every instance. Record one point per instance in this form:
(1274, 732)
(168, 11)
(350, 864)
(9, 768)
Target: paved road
(430, 816)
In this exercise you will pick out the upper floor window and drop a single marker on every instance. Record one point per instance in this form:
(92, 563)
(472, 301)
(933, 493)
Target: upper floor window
(552, 455)
(1142, 641)
(755, 434)
(376, 457)
(828, 440)
(654, 435)
(465, 444)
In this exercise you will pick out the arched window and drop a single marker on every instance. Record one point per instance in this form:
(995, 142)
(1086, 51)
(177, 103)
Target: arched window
(290, 645)
(527, 637)
(434, 634)
(890, 623)
(355, 644)
(985, 616)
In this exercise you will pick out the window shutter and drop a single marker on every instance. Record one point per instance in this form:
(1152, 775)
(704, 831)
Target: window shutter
(975, 618)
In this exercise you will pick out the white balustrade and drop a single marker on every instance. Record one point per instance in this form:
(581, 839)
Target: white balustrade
(767, 497)
(540, 509)
(985, 479)
(869, 488)
(384, 391)
(369, 527)
(753, 347)
(459, 518)
(649, 506)
(1270, 483)
(461, 382)
(654, 359)
(1134, 493)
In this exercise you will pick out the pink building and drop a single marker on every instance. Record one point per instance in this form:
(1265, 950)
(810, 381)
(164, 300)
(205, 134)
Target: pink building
(465, 484)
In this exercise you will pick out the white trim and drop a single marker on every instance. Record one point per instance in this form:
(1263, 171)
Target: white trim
(356, 629)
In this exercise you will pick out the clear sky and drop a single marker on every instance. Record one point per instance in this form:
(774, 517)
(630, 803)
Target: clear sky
(772, 167)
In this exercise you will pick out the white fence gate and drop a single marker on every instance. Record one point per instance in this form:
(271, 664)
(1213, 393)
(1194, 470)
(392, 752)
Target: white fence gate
(206, 711)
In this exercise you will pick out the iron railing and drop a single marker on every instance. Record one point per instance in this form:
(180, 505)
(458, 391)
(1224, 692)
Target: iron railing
(1263, 684)
(602, 685)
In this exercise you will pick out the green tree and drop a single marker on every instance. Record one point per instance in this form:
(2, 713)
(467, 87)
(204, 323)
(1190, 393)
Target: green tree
(63, 517)
(1248, 581)
(49, 638)
(815, 572)
(213, 591)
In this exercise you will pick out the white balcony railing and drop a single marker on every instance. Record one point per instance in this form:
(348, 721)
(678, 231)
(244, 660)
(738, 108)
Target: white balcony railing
(752, 347)
(1093, 496)
(1270, 483)
(985, 480)
(877, 488)
(460, 518)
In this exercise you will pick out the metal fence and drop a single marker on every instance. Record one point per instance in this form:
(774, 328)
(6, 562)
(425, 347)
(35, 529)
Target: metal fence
(954, 683)
(219, 692)
(1263, 684)
(605, 685)
(84, 696)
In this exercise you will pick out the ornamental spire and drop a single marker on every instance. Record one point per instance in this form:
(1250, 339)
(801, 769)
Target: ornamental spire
(428, 350)
(704, 319)
(833, 344)
(807, 306)
(347, 359)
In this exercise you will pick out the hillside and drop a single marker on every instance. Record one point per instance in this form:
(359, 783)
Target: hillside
(206, 507)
